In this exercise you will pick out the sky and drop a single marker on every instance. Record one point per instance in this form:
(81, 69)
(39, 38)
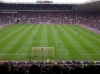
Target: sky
(54, 1)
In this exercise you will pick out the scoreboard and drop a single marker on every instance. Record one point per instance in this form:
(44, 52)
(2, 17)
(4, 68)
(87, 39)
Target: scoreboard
(44, 2)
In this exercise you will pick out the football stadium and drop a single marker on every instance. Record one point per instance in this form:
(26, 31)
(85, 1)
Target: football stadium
(37, 36)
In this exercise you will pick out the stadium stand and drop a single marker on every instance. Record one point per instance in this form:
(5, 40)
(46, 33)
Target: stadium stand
(69, 67)
(90, 19)
(43, 14)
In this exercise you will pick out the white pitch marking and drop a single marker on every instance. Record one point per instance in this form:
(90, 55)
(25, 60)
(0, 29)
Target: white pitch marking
(60, 54)
(64, 49)
(7, 54)
(17, 52)
(60, 49)
(92, 48)
(80, 54)
(67, 51)
(45, 41)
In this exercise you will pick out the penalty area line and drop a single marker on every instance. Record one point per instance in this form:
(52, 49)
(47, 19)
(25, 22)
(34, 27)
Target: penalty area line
(92, 48)
(64, 49)
(17, 52)
(67, 51)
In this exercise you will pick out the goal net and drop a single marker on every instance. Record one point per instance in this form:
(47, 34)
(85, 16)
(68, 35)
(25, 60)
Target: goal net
(43, 51)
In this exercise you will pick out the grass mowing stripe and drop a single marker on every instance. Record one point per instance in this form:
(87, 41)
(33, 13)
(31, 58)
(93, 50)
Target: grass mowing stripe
(50, 39)
(94, 45)
(7, 32)
(5, 45)
(44, 37)
(35, 36)
(8, 46)
(5, 28)
(52, 42)
(27, 41)
(85, 44)
(78, 46)
(94, 37)
(92, 48)
(44, 41)
(69, 45)
(55, 43)
(62, 38)
(26, 47)
(89, 33)
(60, 45)
(66, 40)
(36, 42)
(69, 39)
(22, 37)
(38, 36)
(90, 39)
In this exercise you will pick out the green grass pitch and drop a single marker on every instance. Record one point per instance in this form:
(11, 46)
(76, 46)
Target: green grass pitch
(16, 42)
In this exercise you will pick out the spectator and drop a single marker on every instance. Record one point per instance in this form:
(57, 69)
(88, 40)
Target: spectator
(71, 71)
(43, 72)
(91, 69)
(34, 69)
(78, 70)
(5, 68)
(16, 71)
(56, 69)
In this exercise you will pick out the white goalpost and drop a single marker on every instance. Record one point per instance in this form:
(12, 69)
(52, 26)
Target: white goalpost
(43, 51)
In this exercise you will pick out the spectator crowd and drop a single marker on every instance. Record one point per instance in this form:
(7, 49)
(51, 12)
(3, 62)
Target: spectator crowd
(90, 19)
(48, 68)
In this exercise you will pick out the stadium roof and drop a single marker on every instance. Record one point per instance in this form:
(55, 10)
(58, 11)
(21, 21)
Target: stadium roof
(47, 1)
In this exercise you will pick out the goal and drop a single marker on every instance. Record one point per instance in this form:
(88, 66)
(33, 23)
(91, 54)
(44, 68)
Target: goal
(43, 51)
